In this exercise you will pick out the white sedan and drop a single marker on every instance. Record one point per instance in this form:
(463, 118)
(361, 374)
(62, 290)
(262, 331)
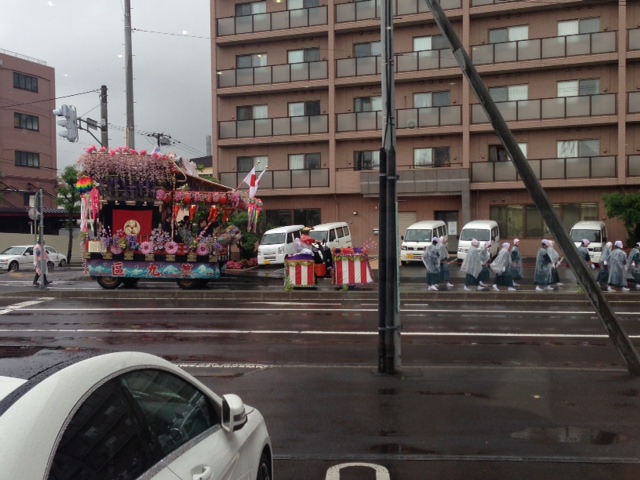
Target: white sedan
(19, 257)
(68, 413)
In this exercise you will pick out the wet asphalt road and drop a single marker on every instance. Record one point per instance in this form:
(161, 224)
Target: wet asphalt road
(493, 385)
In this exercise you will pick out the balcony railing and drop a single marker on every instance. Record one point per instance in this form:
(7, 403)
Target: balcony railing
(269, 127)
(634, 39)
(633, 166)
(547, 108)
(265, 22)
(480, 3)
(355, 11)
(279, 179)
(540, 48)
(405, 62)
(291, 72)
(406, 118)
(547, 169)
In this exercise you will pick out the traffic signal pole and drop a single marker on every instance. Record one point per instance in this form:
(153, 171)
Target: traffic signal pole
(586, 280)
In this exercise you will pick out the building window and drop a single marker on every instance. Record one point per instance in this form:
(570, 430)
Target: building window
(26, 199)
(27, 122)
(367, 160)
(301, 56)
(282, 218)
(579, 88)
(576, 27)
(254, 8)
(431, 157)
(305, 161)
(511, 93)
(27, 159)
(525, 220)
(245, 164)
(435, 42)
(578, 148)
(252, 112)
(369, 49)
(367, 104)
(431, 99)
(497, 153)
(509, 34)
(249, 61)
(296, 4)
(25, 82)
(304, 109)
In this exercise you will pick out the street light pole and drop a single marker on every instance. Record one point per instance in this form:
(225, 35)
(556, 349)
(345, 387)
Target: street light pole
(130, 133)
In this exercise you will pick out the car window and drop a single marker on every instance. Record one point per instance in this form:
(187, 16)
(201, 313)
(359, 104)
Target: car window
(130, 423)
(29, 251)
(332, 235)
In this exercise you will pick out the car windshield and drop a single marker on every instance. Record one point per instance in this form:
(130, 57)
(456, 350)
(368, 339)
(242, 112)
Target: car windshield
(319, 235)
(273, 238)
(578, 235)
(481, 234)
(13, 251)
(415, 235)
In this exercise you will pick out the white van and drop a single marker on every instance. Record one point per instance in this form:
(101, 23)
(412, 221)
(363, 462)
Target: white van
(337, 234)
(595, 232)
(481, 230)
(418, 236)
(277, 244)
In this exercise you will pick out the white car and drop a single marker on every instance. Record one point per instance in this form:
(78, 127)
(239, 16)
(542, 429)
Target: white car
(69, 413)
(20, 257)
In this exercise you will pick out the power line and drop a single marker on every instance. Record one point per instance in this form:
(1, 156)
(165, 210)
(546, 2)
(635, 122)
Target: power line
(48, 99)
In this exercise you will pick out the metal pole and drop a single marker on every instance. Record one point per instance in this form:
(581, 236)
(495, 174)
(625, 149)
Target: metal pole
(130, 134)
(43, 260)
(104, 121)
(388, 307)
(539, 196)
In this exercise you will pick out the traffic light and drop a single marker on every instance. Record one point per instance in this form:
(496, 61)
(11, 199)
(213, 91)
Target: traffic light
(69, 122)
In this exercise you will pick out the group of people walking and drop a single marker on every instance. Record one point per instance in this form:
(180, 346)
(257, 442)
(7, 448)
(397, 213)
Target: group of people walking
(507, 266)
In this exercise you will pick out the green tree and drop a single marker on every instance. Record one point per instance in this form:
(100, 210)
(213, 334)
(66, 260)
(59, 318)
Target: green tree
(248, 243)
(69, 200)
(626, 207)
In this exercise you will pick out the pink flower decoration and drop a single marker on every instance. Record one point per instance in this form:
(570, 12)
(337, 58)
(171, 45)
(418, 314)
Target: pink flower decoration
(203, 249)
(146, 248)
(115, 248)
(171, 248)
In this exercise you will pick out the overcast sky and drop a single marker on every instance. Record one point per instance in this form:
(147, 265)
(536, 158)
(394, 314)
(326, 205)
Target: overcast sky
(83, 40)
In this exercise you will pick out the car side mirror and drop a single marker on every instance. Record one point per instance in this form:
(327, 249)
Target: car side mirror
(234, 416)
(401, 237)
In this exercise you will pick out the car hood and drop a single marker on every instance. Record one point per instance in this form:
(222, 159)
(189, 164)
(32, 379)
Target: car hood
(8, 257)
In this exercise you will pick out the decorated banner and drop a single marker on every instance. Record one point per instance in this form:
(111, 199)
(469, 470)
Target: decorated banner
(351, 267)
(300, 271)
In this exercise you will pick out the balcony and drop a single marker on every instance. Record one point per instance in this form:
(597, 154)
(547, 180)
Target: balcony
(550, 108)
(291, 72)
(266, 22)
(411, 180)
(634, 39)
(548, 169)
(542, 48)
(282, 179)
(405, 118)
(633, 166)
(405, 62)
(634, 102)
(269, 127)
(353, 12)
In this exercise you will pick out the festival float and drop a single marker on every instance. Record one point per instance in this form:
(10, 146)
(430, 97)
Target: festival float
(136, 214)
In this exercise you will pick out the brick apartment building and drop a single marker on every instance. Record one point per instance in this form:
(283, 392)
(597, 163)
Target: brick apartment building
(27, 142)
(297, 87)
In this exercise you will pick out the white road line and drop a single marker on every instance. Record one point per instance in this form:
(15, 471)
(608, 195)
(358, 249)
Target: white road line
(23, 305)
(148, 331)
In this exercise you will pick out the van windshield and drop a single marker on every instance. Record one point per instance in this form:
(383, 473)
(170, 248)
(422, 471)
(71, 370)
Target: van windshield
(418, 236)
(578, 235)
(318, 235)
(481, 234)
(273, 238)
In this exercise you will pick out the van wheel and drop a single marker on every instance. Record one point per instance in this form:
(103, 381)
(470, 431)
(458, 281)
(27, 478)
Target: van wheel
(109, 283)
(403, 263)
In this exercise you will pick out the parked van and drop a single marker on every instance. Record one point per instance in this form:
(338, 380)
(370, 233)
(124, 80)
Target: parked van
(418, 236)
(481, 230)
(277, 244)
(337, 234)
(595, 232)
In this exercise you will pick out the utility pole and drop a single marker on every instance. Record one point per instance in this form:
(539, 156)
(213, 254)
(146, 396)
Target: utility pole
(594, 294)
(43, 257)
(104, 121)
(388, 295)
(130, 133)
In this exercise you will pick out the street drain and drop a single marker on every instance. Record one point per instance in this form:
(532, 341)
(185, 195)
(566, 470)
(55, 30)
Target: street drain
(590, 436)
